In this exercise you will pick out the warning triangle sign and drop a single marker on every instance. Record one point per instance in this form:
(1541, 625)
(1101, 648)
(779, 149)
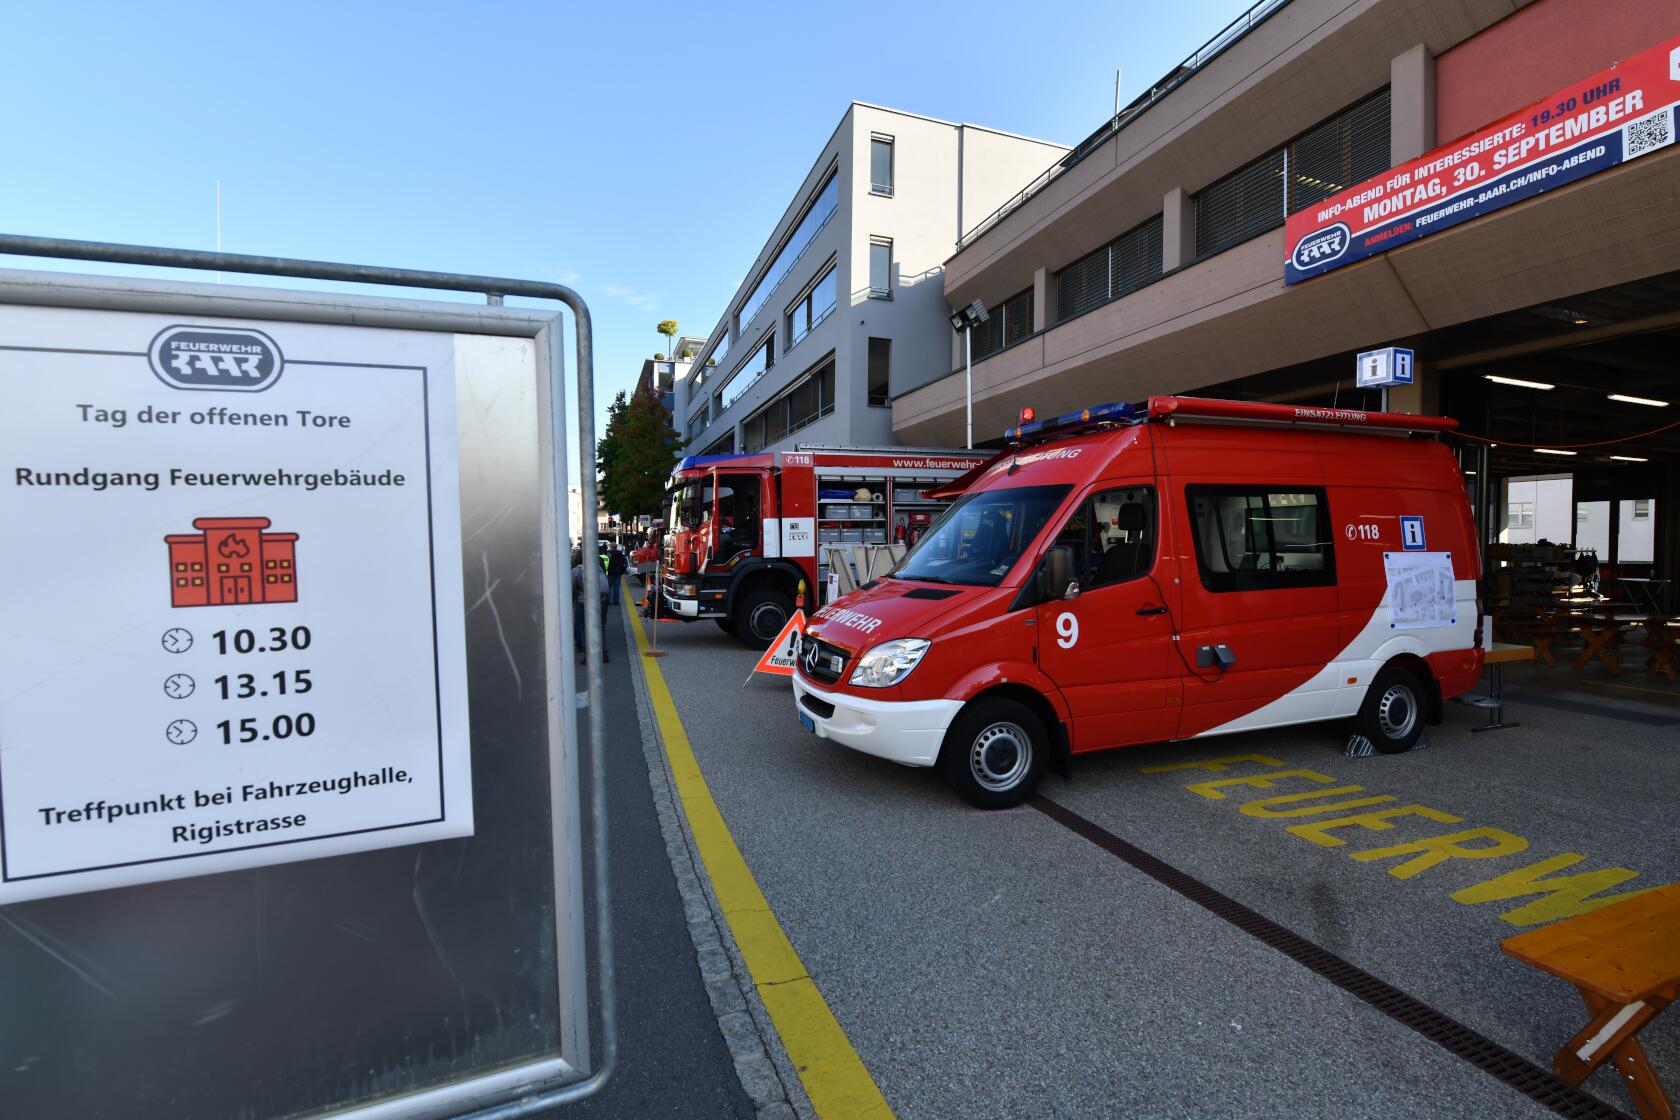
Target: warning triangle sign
(784, 651)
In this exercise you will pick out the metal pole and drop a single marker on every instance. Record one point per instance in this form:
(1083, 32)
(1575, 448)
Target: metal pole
(968, 366)
(583, 334)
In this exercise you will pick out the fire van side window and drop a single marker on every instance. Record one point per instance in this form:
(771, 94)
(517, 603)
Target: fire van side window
(1112, 535)
(1262, 538)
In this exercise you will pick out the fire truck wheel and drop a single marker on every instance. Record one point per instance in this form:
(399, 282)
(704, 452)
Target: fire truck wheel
(760, 616)
(995, 753)
(1393, 712)
(727, 625)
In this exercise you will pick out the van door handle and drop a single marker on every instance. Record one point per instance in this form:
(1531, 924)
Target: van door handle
(1152, 610)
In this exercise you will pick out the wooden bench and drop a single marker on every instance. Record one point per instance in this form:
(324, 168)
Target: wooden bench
(1624, 959)
(1496, 658)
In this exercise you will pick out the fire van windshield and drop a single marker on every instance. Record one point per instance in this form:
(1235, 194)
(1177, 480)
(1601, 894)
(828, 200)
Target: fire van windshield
(979, 538)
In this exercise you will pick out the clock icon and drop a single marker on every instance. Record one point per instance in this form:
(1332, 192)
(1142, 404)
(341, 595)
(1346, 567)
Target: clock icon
(181, 731)
(177, 640)
(178, 686)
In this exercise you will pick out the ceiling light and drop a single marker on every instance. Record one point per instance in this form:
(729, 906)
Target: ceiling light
(1470, 472)
(1629, 459)
(1518, 382)
(1580, 322)
(1647, 401)
(1551, 451)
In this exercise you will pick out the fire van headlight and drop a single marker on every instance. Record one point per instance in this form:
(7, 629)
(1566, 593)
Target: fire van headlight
(889, 663)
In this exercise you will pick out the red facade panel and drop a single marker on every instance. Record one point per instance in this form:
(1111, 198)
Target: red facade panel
(1542, 48)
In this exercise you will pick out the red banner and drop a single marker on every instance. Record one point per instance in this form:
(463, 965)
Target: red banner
(1616, 115)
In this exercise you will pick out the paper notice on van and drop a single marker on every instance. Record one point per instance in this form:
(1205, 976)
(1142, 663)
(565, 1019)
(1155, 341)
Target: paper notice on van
(1420, 590)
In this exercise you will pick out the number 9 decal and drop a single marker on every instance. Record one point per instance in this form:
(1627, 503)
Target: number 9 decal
(1067, 630)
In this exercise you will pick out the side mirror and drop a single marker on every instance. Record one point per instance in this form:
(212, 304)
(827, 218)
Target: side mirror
(1056, 577)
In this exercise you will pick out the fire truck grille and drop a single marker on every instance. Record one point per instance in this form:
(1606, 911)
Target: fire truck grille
(822, 661)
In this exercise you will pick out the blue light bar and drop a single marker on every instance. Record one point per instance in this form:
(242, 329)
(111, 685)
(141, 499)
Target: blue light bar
(1118, 412)
(705, 461)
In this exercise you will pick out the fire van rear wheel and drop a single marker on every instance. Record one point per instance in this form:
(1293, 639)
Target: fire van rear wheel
(995, 753)
(1392, 715)
(760, 616)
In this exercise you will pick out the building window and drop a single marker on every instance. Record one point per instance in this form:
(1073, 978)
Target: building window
(1240, 206)
(880, 372)
(1347, 149)
(812, 307)
(1520, 515)
(1010, 322)
(822, 208)
(804, 402)
(1129, 262)
(880, 268)
(723, 446)
(1641, 506)
(1260, 538)
(761, 359)
(881, 164)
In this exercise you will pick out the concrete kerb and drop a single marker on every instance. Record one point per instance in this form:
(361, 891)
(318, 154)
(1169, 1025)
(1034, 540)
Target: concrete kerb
(761, 1062)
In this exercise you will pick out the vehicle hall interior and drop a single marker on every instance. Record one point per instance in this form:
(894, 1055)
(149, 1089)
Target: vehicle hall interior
(1569, 441)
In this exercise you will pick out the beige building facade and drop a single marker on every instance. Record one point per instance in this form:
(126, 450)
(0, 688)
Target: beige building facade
(1153, 256)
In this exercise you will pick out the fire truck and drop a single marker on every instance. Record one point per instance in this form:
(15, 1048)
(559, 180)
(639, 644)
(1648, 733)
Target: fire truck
(742, 532)
(645, 558)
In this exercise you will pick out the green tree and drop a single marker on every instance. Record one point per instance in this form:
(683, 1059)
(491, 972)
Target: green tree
(668, 328)
(636, 454)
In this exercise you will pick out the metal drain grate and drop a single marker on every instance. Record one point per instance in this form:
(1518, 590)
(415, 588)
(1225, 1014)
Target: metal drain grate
(1456, 1038)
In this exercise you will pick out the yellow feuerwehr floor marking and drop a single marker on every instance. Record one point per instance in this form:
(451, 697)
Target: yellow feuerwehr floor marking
(834, 1076)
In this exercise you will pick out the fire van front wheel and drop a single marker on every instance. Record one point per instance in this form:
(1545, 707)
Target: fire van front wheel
(1393, 712)
(994, 753)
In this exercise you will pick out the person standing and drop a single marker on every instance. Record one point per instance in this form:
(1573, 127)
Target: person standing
(616, 567)
(588, 579)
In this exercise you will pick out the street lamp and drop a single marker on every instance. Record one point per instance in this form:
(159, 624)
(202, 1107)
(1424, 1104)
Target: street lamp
(965, 319)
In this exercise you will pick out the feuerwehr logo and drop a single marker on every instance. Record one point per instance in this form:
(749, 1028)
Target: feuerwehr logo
(220, 359)
(1322, 246)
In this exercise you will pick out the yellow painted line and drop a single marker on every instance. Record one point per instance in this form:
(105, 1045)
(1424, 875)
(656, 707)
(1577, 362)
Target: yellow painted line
(834, 1076)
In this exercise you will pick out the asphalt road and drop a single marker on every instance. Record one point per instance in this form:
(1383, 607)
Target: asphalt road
(998, 964)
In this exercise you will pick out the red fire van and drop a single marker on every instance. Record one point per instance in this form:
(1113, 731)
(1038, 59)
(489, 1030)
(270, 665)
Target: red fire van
(1199, 568)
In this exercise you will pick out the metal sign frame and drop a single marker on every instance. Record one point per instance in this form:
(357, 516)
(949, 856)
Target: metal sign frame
(549, 1082)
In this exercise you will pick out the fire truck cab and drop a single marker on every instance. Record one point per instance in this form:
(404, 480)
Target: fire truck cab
(742, 533)
(1117, 577)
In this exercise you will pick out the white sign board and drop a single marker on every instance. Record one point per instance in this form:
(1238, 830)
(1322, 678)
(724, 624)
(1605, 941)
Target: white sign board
(231, 619)
(1421, 591)
(1388, 366)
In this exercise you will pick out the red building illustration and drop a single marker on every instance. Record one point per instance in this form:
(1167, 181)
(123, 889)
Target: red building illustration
(232, 561)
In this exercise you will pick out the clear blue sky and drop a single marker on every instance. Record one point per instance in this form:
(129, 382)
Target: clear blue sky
(639, 152)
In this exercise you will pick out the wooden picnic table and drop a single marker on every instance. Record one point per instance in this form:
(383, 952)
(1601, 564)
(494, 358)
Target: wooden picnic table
(1662, 642)
(1646, 594)
(1624, 959)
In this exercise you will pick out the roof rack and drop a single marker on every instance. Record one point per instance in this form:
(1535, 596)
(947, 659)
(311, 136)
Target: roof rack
(1169, 408)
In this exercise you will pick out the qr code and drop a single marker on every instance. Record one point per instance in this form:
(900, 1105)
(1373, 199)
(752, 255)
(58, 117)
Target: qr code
(1652, 132)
